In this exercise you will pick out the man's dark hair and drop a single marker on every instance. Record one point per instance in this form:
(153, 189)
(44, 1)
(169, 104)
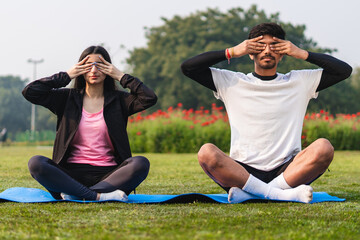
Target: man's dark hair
(271, 29)
(109, 83)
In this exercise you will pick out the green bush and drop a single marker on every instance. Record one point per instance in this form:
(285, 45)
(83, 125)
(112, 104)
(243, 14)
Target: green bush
(39, 136)
(178, 131)
(184, 131)
(343, 131)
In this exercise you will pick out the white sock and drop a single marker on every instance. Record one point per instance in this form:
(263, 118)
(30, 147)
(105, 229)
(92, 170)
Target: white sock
(302, 193)
(279, 182)
(237, 195)
(115, 195)
(69, 197)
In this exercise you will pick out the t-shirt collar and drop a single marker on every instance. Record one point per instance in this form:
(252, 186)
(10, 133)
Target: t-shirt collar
(264, 78)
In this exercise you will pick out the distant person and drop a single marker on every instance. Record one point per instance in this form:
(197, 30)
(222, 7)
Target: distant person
(266, 111)
(3, 135)
(91, 157)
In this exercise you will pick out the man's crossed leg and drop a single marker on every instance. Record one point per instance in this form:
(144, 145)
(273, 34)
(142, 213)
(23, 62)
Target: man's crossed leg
(307, 165)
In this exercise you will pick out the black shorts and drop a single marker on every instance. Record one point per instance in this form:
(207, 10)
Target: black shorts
(265, 176)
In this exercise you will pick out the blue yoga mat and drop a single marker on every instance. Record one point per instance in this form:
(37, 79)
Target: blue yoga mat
(34, 195)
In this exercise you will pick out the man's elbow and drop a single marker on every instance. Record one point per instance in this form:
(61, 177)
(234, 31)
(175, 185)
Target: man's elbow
(24, 92)
(348, 71)
(185, 68)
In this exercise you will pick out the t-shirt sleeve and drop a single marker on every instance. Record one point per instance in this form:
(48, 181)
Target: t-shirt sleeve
(310, 80)
(223, 79)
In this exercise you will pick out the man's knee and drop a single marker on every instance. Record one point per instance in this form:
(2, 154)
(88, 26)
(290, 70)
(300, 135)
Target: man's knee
(324, 151)
(207, 155)
(325, 148)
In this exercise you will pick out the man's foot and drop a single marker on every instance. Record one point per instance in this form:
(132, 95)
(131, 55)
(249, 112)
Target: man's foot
(237, 195)
(302, 193)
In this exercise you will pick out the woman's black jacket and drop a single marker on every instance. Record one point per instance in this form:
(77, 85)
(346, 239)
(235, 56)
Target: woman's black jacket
(67, 104)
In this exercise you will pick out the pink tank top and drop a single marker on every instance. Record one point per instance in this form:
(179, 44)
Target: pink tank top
(91, 143)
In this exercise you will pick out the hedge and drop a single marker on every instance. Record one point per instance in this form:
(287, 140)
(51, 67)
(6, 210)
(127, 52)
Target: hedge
(180, 130)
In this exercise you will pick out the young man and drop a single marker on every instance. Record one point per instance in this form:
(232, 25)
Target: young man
(266, 111)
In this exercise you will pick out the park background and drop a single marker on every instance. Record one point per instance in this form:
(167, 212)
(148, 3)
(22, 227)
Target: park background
(150, 40)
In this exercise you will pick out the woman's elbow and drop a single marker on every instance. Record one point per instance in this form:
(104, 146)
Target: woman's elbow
(26, 94)
(154, 100)
(151, 100)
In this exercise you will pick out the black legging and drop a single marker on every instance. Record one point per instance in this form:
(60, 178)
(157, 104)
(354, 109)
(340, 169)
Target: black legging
(85, 181)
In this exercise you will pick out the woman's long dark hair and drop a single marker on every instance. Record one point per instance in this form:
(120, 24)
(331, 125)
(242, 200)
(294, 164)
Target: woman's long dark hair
(109, 83)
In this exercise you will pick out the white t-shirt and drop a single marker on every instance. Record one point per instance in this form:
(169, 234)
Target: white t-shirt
(266, 117)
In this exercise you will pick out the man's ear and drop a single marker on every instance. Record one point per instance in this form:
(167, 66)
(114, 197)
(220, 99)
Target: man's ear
(251, 56)
(281, 57)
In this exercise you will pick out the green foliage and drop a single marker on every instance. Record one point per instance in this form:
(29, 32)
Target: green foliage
(340, 98)
(177, 131)
(342, 131)
(355, 80)
(39, 136)
(14, 110)
(158, 65)
(177, 174)
(179, 38)
(183, 131)
(45, 120)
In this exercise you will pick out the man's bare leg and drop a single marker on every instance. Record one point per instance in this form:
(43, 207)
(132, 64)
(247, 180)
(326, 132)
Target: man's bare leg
(221, 168)
(226, 172)
(307, 165)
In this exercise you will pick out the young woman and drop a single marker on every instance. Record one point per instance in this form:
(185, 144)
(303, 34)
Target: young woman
(91, 157)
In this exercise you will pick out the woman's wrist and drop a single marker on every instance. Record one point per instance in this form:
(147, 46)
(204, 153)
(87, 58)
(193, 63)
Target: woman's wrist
(120, 76)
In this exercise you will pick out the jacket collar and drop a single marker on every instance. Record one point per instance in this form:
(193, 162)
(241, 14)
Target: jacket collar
(109, 97)
(78, 98)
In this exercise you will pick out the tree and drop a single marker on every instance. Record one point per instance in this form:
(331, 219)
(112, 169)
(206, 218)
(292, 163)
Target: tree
(45, 119)
(343, 97)
(158, 64)
(14, 109)
(355, 80)
(340, 98)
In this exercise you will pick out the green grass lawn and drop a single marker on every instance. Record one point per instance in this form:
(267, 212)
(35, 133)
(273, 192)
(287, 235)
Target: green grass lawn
(176, 174)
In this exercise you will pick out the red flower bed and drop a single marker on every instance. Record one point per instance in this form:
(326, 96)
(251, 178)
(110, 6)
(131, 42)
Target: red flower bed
(185, 130)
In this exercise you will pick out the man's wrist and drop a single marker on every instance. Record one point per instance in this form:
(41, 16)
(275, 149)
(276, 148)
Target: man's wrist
(303, 54)
(238, 52)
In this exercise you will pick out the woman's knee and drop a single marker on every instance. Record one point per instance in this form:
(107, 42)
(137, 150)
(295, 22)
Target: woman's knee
(36, 164)
(140, 164)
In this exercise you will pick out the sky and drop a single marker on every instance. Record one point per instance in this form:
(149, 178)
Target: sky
(58, 31)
